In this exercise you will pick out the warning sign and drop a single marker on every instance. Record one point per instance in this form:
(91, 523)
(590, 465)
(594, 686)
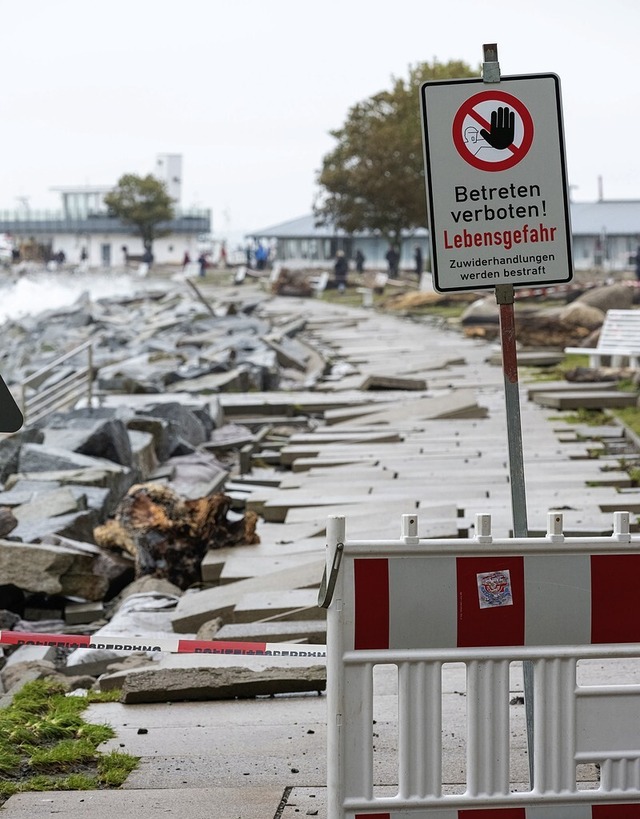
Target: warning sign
(497, 195)
(493, 131)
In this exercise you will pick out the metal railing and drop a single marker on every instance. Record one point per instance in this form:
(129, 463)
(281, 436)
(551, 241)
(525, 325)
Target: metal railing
(57, 394)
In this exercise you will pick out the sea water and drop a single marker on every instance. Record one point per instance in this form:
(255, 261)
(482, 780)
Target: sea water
(35, 292)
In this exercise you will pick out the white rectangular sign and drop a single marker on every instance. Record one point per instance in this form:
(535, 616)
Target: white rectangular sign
(497, 193)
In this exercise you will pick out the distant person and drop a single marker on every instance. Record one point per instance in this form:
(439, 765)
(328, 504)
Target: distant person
(146, 263)
(638, 263)
(360, 260)
(340, 270)
(202, 262)
(393, 261)
(186, 260)
(125, 256)
(249, 256)
(262, 256)
(223, 256)
(417, 256)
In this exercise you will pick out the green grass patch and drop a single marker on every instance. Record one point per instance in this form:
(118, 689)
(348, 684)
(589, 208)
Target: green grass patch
(115, 767)
(45, 744)
(589, 417)
(445, 311)
(629, 416)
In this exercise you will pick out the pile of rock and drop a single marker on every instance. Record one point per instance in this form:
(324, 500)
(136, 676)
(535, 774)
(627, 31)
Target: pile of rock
(575, 320)
(96, 501)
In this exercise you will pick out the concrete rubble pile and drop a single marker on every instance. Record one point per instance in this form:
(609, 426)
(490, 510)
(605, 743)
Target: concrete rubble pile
(194, 499)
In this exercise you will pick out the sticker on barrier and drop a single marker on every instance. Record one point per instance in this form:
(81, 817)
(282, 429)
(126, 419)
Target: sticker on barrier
(171, 645)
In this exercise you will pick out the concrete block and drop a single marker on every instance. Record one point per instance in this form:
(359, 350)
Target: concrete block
(300, 604)
(76, 613)
(180, 677)
(196, 608)
(313, 632)
(27, 654)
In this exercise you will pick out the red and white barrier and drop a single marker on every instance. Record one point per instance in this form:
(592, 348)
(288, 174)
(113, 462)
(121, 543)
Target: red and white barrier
(626, 811)
(521, 600)
(168, 644)
(417, 604)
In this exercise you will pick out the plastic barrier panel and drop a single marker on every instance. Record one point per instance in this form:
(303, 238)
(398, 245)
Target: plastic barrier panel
(415, 605)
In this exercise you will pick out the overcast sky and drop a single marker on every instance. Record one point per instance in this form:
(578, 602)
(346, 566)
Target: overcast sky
(248, 90)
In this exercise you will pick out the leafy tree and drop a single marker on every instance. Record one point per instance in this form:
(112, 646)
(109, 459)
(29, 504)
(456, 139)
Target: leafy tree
(141, 201)
(374, 178)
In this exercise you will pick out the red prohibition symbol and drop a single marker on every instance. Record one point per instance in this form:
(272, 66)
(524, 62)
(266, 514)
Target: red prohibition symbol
(492, 131)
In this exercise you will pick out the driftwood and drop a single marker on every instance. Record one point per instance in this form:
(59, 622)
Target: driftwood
(168, 536)
(292, 283)
(590, 375)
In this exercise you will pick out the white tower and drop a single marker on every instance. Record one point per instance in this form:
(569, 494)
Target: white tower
(169, 171)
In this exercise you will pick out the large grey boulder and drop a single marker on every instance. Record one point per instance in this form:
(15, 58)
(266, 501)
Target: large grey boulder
(195, 475)
(481, 311)
(582, 314)
(108, 439)
(39, 462)
(609, 297)
(162, 433)
(187, 424)
(51, 570)
(43, 458)
(10, 449)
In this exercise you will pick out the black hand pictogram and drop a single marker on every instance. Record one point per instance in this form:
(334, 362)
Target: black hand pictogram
(502, 129)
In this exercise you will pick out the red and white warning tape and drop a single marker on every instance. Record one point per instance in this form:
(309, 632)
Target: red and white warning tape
(168, 644)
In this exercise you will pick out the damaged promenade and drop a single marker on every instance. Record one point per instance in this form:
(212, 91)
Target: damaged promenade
(193, 501)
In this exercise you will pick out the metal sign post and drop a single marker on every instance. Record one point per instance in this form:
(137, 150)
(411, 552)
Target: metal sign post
(505, 301)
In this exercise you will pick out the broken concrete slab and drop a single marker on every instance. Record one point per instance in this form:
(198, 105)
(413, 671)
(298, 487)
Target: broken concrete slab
(115, 478)
(248, 802)
(51, 569)
(98, 437)
(589, 399)
(569, 386)
(457, 404)
(180, 677)
(49, 504)
(79, 613)
(379, 381)
(195, 608)
(531, 358)
(276, 631)
(29, 654)
(239, 568)
(194, 475)
(301, 604)
(77, 525)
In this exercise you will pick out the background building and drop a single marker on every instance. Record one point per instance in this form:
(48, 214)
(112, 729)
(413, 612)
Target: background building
(605, 235)
(84, 231)
(302, 240)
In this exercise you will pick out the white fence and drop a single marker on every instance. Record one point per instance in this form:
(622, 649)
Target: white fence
(416, 605)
